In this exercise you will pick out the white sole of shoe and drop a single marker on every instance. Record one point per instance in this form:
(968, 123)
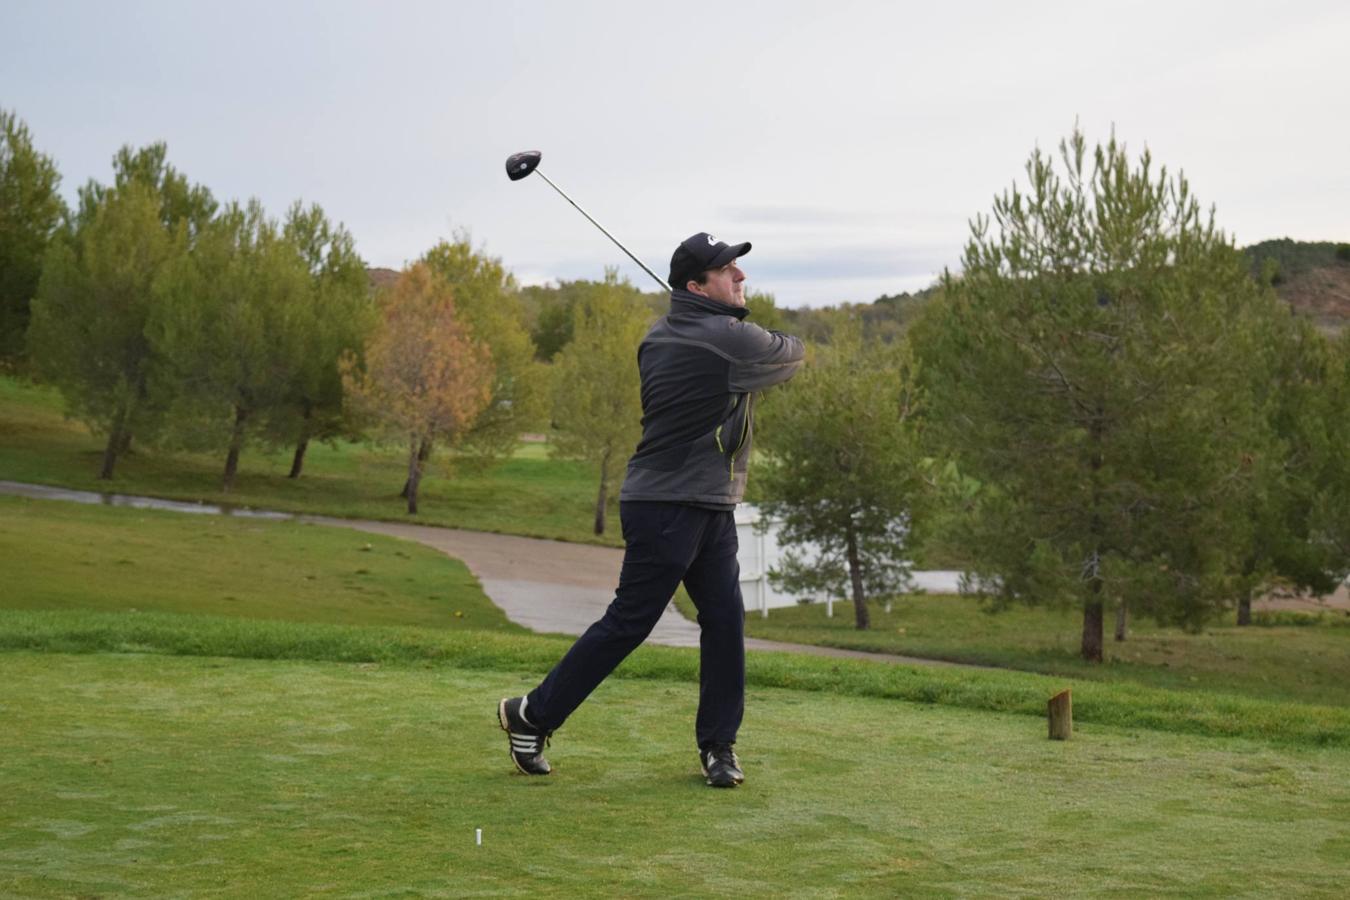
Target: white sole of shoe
(708, 781)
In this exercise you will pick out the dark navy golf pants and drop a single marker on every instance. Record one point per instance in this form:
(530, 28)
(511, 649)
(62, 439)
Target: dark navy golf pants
(666, 543)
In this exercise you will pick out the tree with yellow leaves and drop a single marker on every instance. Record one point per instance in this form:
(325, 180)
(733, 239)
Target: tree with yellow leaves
(425, 379)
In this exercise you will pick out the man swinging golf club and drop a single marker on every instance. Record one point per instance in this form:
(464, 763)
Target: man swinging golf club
(700, 366)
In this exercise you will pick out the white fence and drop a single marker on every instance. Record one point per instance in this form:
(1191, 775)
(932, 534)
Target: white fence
(761, 552)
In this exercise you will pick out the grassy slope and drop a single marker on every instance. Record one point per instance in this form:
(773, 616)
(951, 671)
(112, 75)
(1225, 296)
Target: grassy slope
(143, 775)
(71, 556)
(528, 494)
(1309, 664)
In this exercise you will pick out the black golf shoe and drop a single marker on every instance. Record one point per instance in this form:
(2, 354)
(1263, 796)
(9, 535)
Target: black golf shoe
(720, 765)
(527, 742)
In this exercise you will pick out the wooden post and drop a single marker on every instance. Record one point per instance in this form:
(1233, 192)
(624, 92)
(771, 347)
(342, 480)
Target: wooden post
(1061, 716)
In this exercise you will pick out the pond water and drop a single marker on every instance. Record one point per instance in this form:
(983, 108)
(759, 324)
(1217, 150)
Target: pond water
(760, 552)
(43, 492)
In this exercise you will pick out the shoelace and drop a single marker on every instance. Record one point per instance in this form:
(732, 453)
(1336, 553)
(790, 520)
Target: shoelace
(723, 753)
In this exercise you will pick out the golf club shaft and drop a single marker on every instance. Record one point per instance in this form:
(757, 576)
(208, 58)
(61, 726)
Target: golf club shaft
(659, 280)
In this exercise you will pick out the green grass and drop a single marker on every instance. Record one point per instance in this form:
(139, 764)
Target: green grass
(1302, 664)
(202, 705)
(1124, 705)
(528, 494)
(207, 743)
(73, 556)
(135, 775)
(78, 561)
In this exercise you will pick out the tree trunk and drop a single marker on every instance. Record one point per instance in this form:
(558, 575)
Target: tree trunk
(236, 444)
(1245, 608)
(110, 451)
(861, 619)
(1092, 626)
(124, 445)
(298, 461)
(604, 494)
(1122, 618)
(423, 454)
(414, 474)
(1091, 648)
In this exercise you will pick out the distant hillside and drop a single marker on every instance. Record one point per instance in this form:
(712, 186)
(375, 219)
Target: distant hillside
(1312, 277)
(381, 278)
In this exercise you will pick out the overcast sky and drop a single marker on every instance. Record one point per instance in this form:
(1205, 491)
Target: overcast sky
(850, 141)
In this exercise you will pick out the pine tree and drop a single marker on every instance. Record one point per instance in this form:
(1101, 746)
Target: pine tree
(597, 403)
(88, 333)
(1092, 369)
(30, 212)
(843, 470)
(332, 320)
(229, 325)
(97, 295)
(1295, 469)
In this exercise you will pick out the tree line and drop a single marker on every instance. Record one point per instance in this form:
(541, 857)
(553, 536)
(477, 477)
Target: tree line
(1106, 408)
(169, 319)
(1102, 410)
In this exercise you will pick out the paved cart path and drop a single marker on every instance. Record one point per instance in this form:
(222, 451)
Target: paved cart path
(544, 585)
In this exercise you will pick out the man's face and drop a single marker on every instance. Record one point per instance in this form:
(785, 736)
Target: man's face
(725, 285)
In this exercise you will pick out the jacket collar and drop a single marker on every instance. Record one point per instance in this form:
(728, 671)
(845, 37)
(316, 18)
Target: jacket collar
(682, 301)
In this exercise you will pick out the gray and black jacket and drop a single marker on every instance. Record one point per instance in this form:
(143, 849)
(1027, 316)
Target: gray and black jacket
(700, 367)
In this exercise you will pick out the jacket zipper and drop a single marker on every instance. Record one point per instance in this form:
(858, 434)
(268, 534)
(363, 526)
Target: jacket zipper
(745, 429)
(717, 433)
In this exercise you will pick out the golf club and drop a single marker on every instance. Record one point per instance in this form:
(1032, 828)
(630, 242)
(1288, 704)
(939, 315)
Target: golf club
(519, 165)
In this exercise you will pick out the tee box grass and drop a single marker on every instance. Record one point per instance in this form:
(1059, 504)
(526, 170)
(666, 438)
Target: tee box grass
(143, 775)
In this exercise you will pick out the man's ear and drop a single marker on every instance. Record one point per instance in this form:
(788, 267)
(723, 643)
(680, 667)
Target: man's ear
(694, 287)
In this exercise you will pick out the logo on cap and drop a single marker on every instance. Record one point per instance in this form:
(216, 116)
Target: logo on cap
(712, 241)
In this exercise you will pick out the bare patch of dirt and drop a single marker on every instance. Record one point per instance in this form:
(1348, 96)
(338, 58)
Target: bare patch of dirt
(1322, 294)
(1337, 601)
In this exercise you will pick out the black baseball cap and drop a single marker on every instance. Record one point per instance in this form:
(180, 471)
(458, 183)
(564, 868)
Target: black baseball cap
(699, 253)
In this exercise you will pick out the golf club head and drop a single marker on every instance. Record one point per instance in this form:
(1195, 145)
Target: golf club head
(519, 165)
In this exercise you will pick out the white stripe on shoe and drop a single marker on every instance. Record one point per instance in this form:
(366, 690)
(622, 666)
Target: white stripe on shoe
(524, 702)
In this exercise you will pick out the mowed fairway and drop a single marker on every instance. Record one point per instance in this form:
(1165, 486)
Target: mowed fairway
(149, 775)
